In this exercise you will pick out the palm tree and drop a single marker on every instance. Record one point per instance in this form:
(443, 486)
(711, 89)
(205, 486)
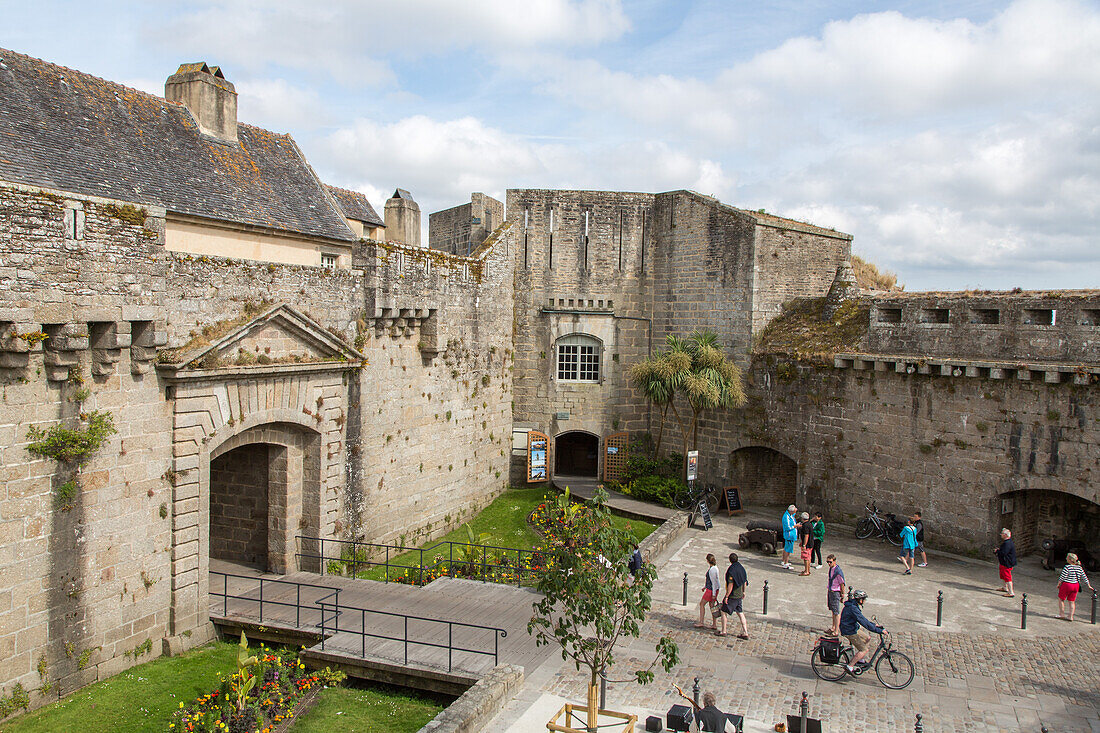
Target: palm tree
(712, 381)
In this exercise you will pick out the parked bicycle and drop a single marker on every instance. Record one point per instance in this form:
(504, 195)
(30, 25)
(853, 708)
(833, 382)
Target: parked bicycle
(689, 499)
(830, 660)
(886, 526)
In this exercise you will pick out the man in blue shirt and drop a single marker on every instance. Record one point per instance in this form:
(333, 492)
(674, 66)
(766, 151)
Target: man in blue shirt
(790, 534)
(851, 618)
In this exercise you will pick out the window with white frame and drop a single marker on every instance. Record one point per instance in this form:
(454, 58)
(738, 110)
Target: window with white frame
(328, 261)
(578, 359)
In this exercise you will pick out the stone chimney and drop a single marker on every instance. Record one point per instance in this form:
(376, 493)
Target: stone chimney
(403, 219)
(844, 288)
(210, 99)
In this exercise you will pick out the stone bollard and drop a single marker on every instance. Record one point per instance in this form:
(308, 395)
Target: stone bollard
(939, 609)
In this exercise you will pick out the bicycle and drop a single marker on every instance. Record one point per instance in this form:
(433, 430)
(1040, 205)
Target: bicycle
(889, 528)
(893, 668)
(688, 499)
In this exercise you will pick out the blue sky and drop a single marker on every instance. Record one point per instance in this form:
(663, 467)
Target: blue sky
(958, 142)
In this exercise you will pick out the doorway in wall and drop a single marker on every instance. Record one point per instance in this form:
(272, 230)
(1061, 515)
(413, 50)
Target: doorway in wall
(240, 502)
(577, 454)
(765, 476)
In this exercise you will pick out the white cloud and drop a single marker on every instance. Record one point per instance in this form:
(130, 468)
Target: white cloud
(353, 41)
(442, 162)
(278, 105)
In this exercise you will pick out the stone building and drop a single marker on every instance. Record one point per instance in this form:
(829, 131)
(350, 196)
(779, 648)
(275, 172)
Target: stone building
(280, 364)
(272, 375)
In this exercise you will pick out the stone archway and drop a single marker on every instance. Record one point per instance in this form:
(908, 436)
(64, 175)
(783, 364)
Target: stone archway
(765, 476)
(577, 453)
(1034, 515)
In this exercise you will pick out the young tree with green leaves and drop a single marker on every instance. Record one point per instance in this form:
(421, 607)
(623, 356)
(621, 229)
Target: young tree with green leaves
(589, 600)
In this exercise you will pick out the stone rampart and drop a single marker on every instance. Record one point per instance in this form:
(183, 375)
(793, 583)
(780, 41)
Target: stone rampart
(1028, 326)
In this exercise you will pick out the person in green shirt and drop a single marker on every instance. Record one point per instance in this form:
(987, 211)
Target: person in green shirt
(818, 528)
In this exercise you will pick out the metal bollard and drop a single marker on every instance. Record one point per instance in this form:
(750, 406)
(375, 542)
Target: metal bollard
(919, 727)
(939, 609)
(1023, 612)
(1094, 606)
(695, 693)
(765, 598)
(803, 711)
(603, 692)
(685, 589)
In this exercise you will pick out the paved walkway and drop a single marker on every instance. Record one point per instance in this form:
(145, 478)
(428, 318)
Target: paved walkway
(584, 487)
(978, 672)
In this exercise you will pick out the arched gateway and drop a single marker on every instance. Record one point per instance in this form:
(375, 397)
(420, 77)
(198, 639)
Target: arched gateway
(765, 476)
(260, 450)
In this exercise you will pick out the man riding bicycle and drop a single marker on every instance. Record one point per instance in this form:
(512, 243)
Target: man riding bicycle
(851, 618)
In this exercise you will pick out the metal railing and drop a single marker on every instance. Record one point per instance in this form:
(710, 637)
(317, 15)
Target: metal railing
(330, 609)
(297, 605)
(461, 560)
(349, 612)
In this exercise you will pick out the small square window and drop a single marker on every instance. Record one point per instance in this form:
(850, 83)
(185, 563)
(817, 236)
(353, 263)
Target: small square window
(889, 315)
(988, 316)
(934, 315)
(578, 359)
(1039, 316)
(328, 261)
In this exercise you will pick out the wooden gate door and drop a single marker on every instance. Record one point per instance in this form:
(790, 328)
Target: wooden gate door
(614, 463)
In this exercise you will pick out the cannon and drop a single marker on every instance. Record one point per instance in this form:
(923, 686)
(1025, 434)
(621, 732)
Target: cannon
(762, 534)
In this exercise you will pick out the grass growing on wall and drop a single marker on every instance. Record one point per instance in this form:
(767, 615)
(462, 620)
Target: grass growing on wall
(505, 522)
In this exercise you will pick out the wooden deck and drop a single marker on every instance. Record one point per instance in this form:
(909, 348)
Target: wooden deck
(292, 613)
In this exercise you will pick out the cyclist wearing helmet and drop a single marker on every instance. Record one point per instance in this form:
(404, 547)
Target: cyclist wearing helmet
(851, 618)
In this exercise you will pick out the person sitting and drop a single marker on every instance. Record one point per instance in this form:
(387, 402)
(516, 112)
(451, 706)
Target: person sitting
(851, 618)
(710, 717)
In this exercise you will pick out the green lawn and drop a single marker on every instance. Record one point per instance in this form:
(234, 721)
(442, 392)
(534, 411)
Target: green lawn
(505, 519)
(368, 710)
(143, 698)
(139, 700)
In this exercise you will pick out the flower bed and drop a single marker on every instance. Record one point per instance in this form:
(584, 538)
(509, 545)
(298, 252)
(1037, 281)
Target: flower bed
(260, 697)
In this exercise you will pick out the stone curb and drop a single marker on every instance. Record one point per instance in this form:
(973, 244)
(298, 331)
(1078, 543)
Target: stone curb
(474, 709)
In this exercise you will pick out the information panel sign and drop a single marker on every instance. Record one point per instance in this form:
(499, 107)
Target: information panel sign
(538, 455)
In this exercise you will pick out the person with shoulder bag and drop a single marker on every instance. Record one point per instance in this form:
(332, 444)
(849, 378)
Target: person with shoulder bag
(737, 580)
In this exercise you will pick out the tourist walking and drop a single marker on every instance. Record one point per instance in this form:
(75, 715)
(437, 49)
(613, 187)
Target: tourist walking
(710, 593)
(737, 580)
(1006, 560)
(819, 537)
(908, 546)
(835, 593)
(805, 542)
(918, 524)
(1069, 583)
(790, 534)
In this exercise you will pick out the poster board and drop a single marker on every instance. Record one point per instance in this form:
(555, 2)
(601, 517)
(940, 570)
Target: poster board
(704, 512)
(731, 495)
(538, 457)
(693, 465)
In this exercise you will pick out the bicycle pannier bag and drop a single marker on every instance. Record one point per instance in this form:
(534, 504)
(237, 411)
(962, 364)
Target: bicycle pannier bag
(830, 650)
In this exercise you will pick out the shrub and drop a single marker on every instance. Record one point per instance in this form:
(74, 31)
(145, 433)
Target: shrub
(72, 445)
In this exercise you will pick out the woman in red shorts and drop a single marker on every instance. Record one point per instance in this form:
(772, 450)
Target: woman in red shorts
(1070, 581)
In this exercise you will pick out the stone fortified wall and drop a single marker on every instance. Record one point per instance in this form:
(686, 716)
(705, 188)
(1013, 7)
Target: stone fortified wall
(90, 574)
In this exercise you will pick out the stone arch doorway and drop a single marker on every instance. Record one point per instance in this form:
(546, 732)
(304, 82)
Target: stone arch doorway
(264, 492)
(577, 453)
(1035, 515)
(765, 476)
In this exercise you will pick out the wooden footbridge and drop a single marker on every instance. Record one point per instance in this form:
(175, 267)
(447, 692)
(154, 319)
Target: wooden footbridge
(442, 636)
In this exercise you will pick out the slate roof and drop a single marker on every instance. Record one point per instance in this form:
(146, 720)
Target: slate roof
(71, 131)
(355, 206)
(402, 194)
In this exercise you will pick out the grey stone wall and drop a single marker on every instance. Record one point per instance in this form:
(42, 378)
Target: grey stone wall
(461, 229)
(1049, 326)
(950, 447)
(238, 505)
(564, 285)
(406, 448)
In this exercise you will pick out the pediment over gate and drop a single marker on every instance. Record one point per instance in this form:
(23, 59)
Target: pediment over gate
(280, 339)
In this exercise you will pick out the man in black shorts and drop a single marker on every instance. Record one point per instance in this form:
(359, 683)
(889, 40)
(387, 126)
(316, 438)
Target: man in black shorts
(737, 580)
